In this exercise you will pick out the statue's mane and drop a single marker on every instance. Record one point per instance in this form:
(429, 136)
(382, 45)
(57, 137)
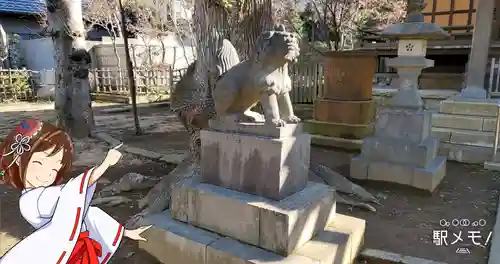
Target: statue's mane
(263, 43)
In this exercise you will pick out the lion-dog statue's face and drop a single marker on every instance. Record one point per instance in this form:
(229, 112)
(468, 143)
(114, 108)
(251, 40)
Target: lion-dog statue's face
(279, 45)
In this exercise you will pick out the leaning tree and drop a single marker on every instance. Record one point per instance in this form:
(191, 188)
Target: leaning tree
(72, 91)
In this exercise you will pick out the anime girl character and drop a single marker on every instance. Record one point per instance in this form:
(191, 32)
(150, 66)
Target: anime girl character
(35, 158)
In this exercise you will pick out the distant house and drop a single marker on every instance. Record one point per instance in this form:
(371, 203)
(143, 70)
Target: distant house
(22, 17)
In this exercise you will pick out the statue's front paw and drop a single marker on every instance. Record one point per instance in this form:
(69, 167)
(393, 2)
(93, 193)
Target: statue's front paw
(277, 122)
(293, 119)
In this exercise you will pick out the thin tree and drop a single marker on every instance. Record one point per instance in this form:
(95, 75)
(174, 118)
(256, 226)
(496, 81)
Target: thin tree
(341, 22)
(130, 69)
(105, 14)
(72, 96)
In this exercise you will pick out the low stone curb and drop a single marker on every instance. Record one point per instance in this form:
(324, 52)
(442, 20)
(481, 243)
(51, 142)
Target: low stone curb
(494, 256)
(376, 256)
(174, 158)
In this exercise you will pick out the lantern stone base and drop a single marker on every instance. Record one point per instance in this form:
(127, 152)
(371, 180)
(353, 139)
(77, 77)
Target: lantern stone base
(174, 242)
(427, 179)
(466, 127)
(401, 151)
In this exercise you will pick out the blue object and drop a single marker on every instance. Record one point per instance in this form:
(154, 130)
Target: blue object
(23, 6)
(24, 125)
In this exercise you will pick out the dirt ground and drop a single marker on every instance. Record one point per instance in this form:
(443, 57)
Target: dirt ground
(406, 220)
(403, 224)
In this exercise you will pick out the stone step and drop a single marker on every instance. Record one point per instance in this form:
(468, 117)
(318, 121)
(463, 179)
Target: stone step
(466, 153)
(173, 242)
(465, 122)
(465, 137)
(471, 107)
(277, 226)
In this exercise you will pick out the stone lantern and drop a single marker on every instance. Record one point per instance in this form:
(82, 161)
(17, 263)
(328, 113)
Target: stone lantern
(413, 35)
(402, 150)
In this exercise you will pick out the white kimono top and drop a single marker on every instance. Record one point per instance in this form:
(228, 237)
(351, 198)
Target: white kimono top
(59, 214)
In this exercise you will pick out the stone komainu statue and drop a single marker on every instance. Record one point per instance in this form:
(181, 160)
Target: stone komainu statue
(264, 78)
(240, 86)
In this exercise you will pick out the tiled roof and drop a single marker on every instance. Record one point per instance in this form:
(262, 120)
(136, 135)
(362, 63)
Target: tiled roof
(22, 6)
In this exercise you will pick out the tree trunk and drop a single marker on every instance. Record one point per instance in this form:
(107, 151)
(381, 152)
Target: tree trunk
(130, 70)
(72, 96)
(4, 45)
(242, 25)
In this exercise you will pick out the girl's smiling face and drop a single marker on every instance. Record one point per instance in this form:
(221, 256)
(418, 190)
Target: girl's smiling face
(42, 169)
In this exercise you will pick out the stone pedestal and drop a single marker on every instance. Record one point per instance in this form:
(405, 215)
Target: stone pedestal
(253, 204)
(401, 151)
(256, 159)
(345, 110)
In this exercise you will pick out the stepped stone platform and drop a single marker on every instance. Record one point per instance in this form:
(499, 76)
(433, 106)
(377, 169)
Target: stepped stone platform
(401, 151)
(278, 226)
(252, 203)
(466, 128)
(174, 242)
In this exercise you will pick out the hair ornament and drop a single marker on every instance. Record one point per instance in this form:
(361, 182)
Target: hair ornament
(26, 130)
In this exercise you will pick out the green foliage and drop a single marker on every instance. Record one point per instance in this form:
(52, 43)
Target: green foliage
(20, 83)
(16, 85)
(298, 25)
(226, 4)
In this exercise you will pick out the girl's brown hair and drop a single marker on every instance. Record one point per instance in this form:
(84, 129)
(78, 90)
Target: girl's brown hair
(47, 137)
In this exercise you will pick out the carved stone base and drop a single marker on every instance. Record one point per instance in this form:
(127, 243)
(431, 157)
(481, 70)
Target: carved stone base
(256, 158)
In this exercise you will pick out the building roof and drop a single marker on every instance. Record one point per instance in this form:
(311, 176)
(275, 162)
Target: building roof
(22, 6)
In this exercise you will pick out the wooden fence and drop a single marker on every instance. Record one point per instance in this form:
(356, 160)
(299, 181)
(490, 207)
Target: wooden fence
(307, 82)
(15, 84)
(148, 81)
